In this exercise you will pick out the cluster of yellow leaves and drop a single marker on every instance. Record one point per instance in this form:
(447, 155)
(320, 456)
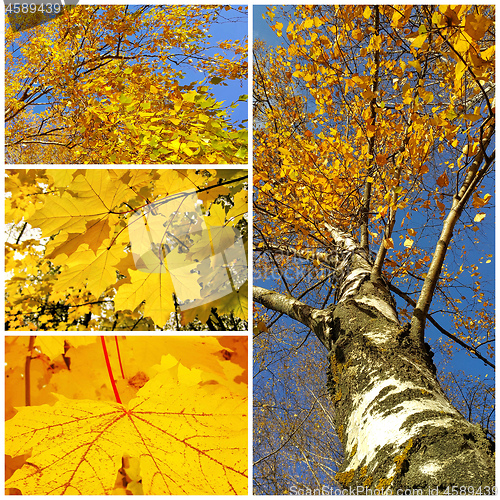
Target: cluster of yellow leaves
(185, 419)
(84, 260)
(329, 124)
(111, 76)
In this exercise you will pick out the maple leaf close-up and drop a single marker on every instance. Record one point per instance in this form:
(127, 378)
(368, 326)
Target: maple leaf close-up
(103, 249)
(177, 426)
(127, 84)
(373, 249)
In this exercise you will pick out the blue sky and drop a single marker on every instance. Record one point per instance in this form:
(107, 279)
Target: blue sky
(260, 27)
(236, 29)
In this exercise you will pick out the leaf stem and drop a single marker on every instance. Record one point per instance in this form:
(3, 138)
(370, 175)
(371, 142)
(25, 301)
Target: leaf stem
(110, 371)
(119, 357)
(27, 373)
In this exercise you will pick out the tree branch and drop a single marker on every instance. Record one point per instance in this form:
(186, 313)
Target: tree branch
(433, 322)
(471, 181)
(287, 441)
(365, 210)
(313, 318)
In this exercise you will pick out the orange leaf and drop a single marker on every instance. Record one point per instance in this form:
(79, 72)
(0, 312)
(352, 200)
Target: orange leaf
(442, 180)
(477, 202)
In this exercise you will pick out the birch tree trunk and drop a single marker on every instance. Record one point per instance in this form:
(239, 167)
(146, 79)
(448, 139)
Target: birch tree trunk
(398, 430)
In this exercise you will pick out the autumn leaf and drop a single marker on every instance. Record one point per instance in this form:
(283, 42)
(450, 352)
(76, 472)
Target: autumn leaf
(408, 243)
(190, 440)
(156, 289)
(478, 202)
(97, 195)
(150, 243)
(441, 206)
(388, 243)
(442, 180)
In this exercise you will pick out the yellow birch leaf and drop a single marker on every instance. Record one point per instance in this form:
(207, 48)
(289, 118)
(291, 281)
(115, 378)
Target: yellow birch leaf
(479, 217)
(442, 180)
(388, 243)
(357, 34)
(419, 41)
(408, 243)
(415, 64)
(463, 42)
(460, 69)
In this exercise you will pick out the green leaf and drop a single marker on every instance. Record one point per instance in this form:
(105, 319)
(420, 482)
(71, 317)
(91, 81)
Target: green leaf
(241, 153)
(125, 99)
(216, 80)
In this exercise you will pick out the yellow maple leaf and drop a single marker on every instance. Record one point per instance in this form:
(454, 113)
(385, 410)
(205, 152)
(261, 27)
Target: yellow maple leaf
(190, 440)
(155, 289)
(240, 207)
(95, 194)
(85, 265)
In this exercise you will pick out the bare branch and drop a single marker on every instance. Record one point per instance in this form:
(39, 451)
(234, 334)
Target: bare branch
(309, 316)
(433, 322)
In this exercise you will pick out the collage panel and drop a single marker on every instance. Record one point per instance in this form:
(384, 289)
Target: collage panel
(126, 84)
(126, 415)
(130, 250)
(374, 249)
